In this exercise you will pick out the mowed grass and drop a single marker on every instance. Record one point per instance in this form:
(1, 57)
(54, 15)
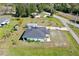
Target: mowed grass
(62, 15)
(51, 21)
(7, 28)
(27, 50)
(56, 21)
(33, 49)
(39, 51)
(69, 17)
(21, 48)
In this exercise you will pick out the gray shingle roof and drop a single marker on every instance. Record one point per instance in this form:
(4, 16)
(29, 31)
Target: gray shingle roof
(3, 20)
(38, 33)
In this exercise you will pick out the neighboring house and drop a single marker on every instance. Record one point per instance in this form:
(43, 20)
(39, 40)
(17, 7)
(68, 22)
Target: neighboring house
(47, 14)
(35, 15)
(4, 21)
(37, 34)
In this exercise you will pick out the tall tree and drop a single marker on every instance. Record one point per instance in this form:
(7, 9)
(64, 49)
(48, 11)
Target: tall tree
(20, 10)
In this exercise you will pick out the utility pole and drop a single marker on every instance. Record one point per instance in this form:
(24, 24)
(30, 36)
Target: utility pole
(71, 12)
(52, 8)
(76, 18)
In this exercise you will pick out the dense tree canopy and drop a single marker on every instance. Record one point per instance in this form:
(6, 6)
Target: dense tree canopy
(67, 8)
(23, 10)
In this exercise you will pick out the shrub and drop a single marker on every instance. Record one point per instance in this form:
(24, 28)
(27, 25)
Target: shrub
(30, 40)
(37, 41)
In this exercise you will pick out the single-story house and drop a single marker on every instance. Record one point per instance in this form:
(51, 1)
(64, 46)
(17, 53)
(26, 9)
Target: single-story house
(4, 21)
(47, 14)
(37, 34)
(35, 15)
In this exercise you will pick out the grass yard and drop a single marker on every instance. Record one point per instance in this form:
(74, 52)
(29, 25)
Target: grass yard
(5, 33)
(56, 21)
(44, 21)
(7, 28)
(45, 49)
(65, 16)
(58, 39)
(20, 48)
(24, 48)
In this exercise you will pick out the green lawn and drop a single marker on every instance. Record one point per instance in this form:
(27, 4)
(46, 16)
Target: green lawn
(23, 50)
(38, 51)
(67, 17)
(56, 21)
(6, 28)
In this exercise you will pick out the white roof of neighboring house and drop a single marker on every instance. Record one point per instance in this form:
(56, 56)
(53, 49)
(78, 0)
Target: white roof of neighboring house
(37, 16)
(47, 13)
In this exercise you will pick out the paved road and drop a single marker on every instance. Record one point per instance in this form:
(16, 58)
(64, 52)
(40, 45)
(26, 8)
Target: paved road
(63, 20)
(69, 22)
(74, 24)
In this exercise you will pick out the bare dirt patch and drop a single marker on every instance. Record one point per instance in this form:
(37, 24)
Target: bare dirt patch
(58, 38)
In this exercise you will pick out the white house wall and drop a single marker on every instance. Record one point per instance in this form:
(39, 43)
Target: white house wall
(35, 39)
(48, 39)
(0, 24)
